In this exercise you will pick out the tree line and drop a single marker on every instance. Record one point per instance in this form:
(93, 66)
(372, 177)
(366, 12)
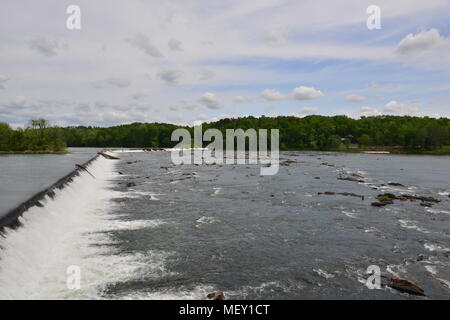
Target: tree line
(308, 133)
(39, 136)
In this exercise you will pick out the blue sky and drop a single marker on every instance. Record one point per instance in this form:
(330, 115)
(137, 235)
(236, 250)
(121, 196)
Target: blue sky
(181, 61)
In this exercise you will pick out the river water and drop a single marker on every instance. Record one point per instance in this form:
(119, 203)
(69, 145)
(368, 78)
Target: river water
(23, 175)
(184, 231)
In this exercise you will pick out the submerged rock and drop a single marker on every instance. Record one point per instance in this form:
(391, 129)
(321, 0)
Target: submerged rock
(353, 179)
(404, 197)
(381, 204)
(395, 184)
(347, 194)
(218, 295)
(405, 285)
(426, 204)
(384, 200)
(287, 162)
(421, 257)
(387, 198)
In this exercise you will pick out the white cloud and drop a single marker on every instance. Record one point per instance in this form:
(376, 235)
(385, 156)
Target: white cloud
(170, 76)
(205, 118)
(175, 45)
(97, 84)
(306, 111)
(138, 95)
(272, 95)
(142, 42)
(299, 93)
(275, 37)
(425, 40)
(118, 82)
(250, 45)
(3, 80)
(398, 108)
(355, 98)
(188, 105)
(306, 93)
(202, 117)
(82, 108)
(46, 47)
(369, 112)
(19, 100)
(241, 99)
(206, 74)
(122, 107)
(210, 100)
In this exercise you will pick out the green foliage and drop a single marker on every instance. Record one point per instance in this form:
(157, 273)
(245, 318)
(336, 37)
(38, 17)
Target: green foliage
(365, 140)
(411, 134)
(135, 135)
(308, 133)
(39, 137)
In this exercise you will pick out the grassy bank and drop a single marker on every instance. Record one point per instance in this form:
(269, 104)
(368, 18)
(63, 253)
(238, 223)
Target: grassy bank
(442, 151)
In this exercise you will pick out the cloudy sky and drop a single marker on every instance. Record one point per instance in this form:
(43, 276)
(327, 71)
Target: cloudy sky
(180, 61)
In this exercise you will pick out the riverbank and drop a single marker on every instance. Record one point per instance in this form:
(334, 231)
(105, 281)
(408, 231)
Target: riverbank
(385, 150)
(35, 152)
(396, 150)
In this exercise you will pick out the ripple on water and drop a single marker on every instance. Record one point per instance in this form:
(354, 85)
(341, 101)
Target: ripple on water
(206, 220)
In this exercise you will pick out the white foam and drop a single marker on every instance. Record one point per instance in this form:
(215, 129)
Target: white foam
(138, 194)
(410, 224)
(432, 210)
(252, 292)
(133, 224)
(70, 230)
(444, 282)
(180, 293)
(431, 269)
(323, 273)
(435, 247)
(351, 214)
(396, 269)
(206, 220)
(129, 150)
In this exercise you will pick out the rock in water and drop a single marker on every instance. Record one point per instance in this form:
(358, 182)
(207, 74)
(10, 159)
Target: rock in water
(351, 179)
(408, 286)
(380, 204)
(395, 184)
(218, 295)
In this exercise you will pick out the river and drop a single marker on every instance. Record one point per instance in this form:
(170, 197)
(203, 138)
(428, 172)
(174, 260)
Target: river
(184, 231)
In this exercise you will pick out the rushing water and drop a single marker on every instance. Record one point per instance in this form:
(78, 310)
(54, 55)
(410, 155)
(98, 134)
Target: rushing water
(23, 175)
(185, 231)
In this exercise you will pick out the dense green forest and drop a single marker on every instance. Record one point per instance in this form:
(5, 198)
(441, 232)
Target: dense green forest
(309, 133)
(38, 137)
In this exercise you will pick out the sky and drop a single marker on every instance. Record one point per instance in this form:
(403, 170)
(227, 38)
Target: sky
(184, 61)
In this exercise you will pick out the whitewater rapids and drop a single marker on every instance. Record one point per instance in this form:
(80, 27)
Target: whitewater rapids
(65, 231)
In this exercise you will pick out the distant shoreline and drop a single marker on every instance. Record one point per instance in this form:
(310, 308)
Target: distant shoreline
(439, 152)
(34, 152)
(444, 151)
